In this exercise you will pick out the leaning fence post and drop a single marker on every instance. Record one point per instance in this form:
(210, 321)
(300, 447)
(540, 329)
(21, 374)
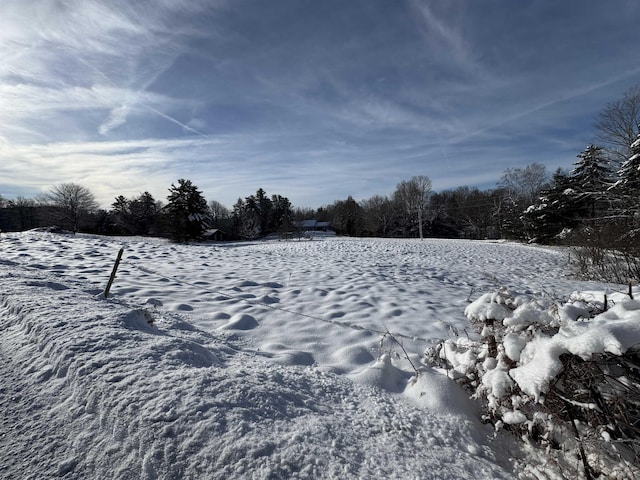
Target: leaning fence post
(113, 272)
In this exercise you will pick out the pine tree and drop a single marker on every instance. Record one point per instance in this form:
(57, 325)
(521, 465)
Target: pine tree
(144, 213)
(281, 214)
(120, 213)
(590, 180)
(187, 211)
(555, 210)
(628, 187)
(264, 208)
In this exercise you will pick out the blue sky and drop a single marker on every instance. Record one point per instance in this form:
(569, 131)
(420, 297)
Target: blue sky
(311, 99)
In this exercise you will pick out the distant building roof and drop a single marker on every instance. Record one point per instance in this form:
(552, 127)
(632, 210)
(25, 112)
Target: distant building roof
(313, 225)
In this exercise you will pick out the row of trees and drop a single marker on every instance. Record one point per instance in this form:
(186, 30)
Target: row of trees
(414, 210)
(71, 205)
(599, 195)
(185, 216)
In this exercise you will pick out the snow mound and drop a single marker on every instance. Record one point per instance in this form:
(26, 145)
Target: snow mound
(428, 390)
(240, 322)
(383, 374)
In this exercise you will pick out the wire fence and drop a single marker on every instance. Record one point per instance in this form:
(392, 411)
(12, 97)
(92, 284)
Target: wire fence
(257, 302)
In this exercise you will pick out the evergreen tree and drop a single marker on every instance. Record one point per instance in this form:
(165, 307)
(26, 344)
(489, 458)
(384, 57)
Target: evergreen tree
(628, 186)
(281, 214)
(554, 211)
(258, 215)
(590, 180)
(251, 218)
(244, 219)
(347, 217)
(120, 214)
(187, 211)
(264, 207)
(136, 216)
(144, 212)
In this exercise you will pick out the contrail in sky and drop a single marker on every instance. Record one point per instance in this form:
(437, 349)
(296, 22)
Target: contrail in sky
(177, 122)
(148, 107)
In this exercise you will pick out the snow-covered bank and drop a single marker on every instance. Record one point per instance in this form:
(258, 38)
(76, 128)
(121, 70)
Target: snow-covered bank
(261, 360)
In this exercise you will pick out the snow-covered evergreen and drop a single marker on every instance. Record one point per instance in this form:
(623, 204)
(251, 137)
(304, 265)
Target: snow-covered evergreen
(591, 179)
(629, 173)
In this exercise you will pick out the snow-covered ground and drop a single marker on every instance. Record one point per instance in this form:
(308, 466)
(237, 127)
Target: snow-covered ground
(247, 360)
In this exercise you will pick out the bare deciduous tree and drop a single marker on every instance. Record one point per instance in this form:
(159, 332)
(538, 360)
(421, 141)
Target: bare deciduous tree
(379, 215)
(72, 203)
(218, 211)
(413, 196)
(617, 125)
(524, 184)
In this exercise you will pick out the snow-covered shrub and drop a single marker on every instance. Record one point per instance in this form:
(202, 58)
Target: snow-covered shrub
(562, 375)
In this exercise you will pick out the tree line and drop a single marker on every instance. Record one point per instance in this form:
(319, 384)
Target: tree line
(596, 201)
(185, 216)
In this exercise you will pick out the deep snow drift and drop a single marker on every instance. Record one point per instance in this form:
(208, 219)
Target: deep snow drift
(246, 360)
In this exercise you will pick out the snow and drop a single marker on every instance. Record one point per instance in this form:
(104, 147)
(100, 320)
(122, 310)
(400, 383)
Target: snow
(489, 306)
(513, 345)
(514, 417)
(614, 331)
(262, 359)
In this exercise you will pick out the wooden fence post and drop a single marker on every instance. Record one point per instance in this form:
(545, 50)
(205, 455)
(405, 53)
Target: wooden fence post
(113, 272)
(491, 337)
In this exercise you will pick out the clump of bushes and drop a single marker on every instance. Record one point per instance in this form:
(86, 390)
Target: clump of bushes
(562, 375)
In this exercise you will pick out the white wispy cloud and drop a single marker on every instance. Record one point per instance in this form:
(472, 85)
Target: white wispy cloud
(84, 55)
(314, 100)
(437, 30)
(104, 167)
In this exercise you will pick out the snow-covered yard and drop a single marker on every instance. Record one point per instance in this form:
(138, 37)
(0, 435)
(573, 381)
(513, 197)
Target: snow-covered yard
(248, 360)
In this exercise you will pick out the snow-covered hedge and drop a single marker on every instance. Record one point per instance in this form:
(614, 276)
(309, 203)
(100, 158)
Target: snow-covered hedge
(563, 375)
